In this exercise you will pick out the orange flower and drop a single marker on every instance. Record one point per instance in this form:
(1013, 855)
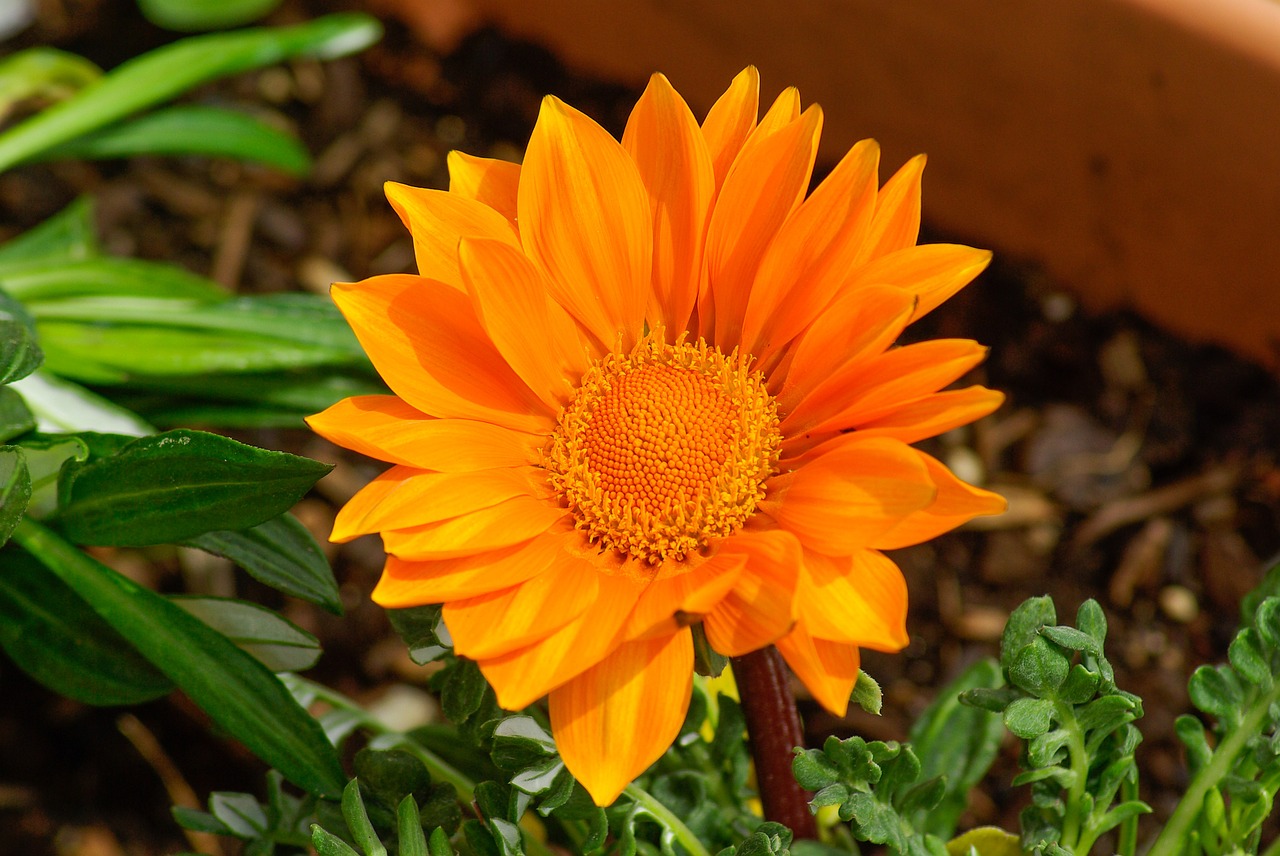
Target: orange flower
(644, 384)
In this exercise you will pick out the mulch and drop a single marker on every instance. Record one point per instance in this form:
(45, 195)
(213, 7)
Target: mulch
(1141, 469)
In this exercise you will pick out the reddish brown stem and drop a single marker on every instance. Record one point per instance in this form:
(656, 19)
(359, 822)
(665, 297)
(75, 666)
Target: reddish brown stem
(773, 725)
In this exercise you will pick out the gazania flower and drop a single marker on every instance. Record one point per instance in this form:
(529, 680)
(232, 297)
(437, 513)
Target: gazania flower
(648, 383)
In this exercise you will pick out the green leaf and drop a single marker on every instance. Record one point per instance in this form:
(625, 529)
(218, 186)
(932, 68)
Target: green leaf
(271, 639)
(1190, 731)
(20, 355)
(409, 829)
(45, 283)
(1029, 717)
(418, 626)
(438, 844)
(62, 406)
(1080, 686)
(957, 742)
(813, 770)
(67, 236)
(280, 553)
(54, 636)
(1040, 668)
(1248, 659)
(16, 418)
(46, 455)
(1071, 639)
(328, 844)
(1092, 620)
(189, 129)
(389, 775)
(353, 811)
(1216, 691)
(1107, 713)
(197, 15)
(177, 485)
(240, 812)
(707, 661)
(237, 691)
(519, 741)
(15, 489)
(463, 691)
(91, 352)
(1024, 625)
(866, 694)
(42, 73)
(158, 76)
(199, 821)
(1267, 622)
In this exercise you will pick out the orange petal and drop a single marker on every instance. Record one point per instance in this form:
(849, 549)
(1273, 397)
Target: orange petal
(867, 390)
(784, 110)
(896, 224)
(404, 497)
(585, 220)
(408, 583)
(957, 503)
(828, 669)
(537, 338)
(813, 250)
(859, 600)
(488, 180)
(934, 414)
(663, 139)
(388, 429)
(731, 120)
(498, 623)
(856, 328)
(526, 675)
(767, 182)
(437, 219)
(618, 717)
(425, 341)
(844, 499)
(932, 272)
(761, 606)
(509, 522)
(683, 592)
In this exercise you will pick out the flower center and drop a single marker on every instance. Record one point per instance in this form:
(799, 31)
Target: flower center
(664, 448)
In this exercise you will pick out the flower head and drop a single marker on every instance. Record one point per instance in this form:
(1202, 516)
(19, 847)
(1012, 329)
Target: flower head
(648, 383)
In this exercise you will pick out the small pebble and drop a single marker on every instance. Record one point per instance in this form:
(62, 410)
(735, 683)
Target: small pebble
(1179, 604)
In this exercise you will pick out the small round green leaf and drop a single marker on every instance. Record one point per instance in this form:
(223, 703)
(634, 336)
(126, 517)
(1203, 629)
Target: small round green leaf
(1040, 668)
(1028, 718)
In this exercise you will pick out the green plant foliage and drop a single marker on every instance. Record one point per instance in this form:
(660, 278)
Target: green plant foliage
(391, 807)
(280, 553)
(19, 353)
(178, 485)
(167, 72)
(193, 15)
(237, 691)
(15, 489)
(272, 640)
(1236, 774)
(279, 826)
(42, 75)
(16, 418)
(54, 636)
(1061, 699)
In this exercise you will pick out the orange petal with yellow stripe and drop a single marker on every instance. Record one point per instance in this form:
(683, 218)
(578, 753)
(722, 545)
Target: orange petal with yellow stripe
(618, 717)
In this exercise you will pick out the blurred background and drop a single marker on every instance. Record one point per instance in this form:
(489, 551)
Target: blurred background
(1120, 158)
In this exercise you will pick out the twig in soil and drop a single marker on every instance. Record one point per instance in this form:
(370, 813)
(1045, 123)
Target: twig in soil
(1123, 512)
(180, 793)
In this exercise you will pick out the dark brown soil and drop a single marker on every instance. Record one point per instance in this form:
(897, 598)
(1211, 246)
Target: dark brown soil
(1141, 469)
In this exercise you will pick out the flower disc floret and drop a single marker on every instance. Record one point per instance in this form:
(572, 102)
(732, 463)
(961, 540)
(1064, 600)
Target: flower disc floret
(664, 449)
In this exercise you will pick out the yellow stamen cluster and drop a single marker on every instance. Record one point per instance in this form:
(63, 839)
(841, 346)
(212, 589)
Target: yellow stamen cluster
(665, 448)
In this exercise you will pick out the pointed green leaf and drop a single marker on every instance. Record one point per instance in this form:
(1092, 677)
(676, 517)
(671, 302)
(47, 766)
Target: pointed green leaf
(271, 639)
(54, 636)
(280, 553)
(1024, 625)
(168, 71)
(197, 15)
(189, 129)
(16, 418)
(20, 354)
(409, 826)
(237, 691)
(67, 236)
(15, 489)
(60, 405)
(177, 485)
